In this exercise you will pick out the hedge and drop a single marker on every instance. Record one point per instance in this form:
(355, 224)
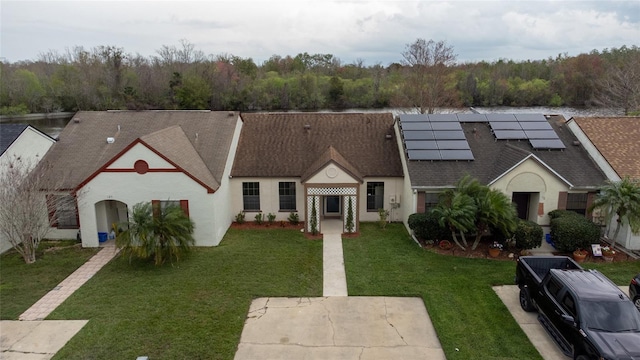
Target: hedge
(425, 226)
(528, 235)
(569, 233)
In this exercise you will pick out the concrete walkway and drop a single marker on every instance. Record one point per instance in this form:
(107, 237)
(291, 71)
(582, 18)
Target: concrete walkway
(60, 293)
(334, 279)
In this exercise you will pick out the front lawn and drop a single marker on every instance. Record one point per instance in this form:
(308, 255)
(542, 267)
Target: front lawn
(470, 319)
(21, 285)
(194, 310)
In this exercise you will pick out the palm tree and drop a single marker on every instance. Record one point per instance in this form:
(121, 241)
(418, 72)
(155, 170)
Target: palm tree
(493, 210)
(158, 232)
(620, 198)
(457, 212)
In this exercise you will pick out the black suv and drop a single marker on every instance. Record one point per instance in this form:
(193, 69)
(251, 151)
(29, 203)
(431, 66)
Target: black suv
(589, 316)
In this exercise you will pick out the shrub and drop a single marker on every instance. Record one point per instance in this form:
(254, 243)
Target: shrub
(294, 218)
(554, 214)
(258, 218)
(240, 217)
(528, 235)
(425, 226)
(271, 218)
(383, 215)
(573, 232)
(349, 221)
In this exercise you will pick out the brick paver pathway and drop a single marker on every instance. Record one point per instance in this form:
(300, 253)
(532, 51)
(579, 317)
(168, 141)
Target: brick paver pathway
(60, 293)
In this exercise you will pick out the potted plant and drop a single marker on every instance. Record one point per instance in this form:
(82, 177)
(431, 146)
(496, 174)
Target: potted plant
(608, 253)
(579, 255)
(494, 249)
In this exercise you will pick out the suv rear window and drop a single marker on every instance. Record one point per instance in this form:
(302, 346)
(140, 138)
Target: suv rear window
(610, 316)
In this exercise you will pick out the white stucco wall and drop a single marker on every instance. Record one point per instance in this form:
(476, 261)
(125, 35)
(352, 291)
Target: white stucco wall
(392, 187)
(269, 198)
(31, 146)
(531, 176)
(409, 199)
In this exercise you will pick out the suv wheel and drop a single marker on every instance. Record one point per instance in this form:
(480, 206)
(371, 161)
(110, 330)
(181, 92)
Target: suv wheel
(525, 300)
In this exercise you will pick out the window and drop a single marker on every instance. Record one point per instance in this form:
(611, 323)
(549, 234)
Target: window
(577, 203)
(251, 196)
(63, 212)
(287, 192)
(569, 305)
(375, 196)
(156, 205)
(554, 288)
(430, 201)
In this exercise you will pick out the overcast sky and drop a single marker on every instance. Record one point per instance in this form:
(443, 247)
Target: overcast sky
(373, 31)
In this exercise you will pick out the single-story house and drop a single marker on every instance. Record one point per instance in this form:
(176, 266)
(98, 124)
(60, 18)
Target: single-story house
(614, 144)
(24, 142)
(532, 158)
(112, 160)
(295, 162)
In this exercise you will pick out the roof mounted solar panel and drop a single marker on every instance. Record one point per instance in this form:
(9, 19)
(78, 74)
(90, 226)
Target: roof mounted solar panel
(547, 144)
(456, 154)
(501, 117)
(541, 134)
(442, 117)
(424, 155)
(531, 117)
(413, 117)
(416, 126)
(506, 125)
(418, 135)
(510, 134)
(535, 125)
(449, 135)
(421, 145)
(442, 125)
(472, 118)
(453, 144)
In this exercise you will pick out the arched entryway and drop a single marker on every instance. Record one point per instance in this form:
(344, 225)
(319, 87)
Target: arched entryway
(109, 215)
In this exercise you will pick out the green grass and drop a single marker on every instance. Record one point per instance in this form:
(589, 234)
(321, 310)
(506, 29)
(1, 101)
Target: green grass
(465, 311)
(21, 285)
(194, 310)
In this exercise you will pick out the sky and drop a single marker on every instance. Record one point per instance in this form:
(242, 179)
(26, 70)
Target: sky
(374, 32)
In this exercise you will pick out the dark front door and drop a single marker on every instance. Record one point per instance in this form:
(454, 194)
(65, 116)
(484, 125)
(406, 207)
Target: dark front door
(332, 205)
(521, 200)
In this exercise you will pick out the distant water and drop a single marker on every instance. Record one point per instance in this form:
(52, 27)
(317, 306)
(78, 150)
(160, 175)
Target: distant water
(53, 127)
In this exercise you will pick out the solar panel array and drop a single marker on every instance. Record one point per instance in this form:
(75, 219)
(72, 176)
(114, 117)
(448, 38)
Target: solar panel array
(434, 137)
(440, 136)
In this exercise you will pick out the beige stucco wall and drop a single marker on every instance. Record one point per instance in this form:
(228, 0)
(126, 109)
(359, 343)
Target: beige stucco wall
(393, 187)
(269, 198)
(138, 152)
(31, 146)
(531, 176)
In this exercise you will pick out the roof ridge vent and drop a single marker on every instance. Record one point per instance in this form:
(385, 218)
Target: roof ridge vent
(111, 140)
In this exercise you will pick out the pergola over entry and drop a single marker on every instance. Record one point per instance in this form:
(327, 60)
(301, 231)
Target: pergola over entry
(315, 194)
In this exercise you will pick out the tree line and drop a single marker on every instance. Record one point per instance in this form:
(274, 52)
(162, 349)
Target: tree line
(426, 76)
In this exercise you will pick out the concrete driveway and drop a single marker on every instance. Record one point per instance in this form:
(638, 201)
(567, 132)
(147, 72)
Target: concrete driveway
(365, 328)
(36, 340)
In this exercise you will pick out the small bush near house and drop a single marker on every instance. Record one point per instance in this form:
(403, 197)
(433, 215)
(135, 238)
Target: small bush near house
(383, 215)
(528, 235)
(240, 218)
(425, 226)
(271, 217)
(573, 232)
(294, 218)
(258, 218)
(562, 213)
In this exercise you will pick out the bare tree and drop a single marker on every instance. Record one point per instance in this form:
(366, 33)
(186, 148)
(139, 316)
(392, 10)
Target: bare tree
(620, 86)
(25, 216)
(429, 65)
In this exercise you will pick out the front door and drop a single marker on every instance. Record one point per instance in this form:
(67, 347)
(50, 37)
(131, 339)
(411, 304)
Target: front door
(332, 205)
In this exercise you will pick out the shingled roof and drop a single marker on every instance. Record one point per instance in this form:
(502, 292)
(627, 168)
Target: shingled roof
(617, 139)
(495, 157)
(197, 141)
(294, 144)
(8, 134)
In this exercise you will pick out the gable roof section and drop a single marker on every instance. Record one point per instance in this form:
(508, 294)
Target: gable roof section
(82, 148)
(331, 156)
(495, 157)
(8, 134)
(281, 145)
(617, 139)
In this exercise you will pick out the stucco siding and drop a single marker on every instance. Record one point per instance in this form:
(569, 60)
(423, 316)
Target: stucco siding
(136, 153)
(269, 198)
(393, 187)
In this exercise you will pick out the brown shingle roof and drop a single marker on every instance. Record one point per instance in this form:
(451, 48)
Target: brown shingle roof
(617, 139)
(82, 148)
(280, 144)
(494, 157)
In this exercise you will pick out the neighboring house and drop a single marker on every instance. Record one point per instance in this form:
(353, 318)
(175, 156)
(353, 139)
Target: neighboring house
(26, 143)
(533, 159)
(614, 144)
(287, 162)
(112, 160)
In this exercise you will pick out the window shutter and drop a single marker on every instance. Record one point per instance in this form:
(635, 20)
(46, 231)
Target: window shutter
(184, 204)
(51, 208)
(562, 200)
(590, 197)
(421, 199)
(155, 207)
